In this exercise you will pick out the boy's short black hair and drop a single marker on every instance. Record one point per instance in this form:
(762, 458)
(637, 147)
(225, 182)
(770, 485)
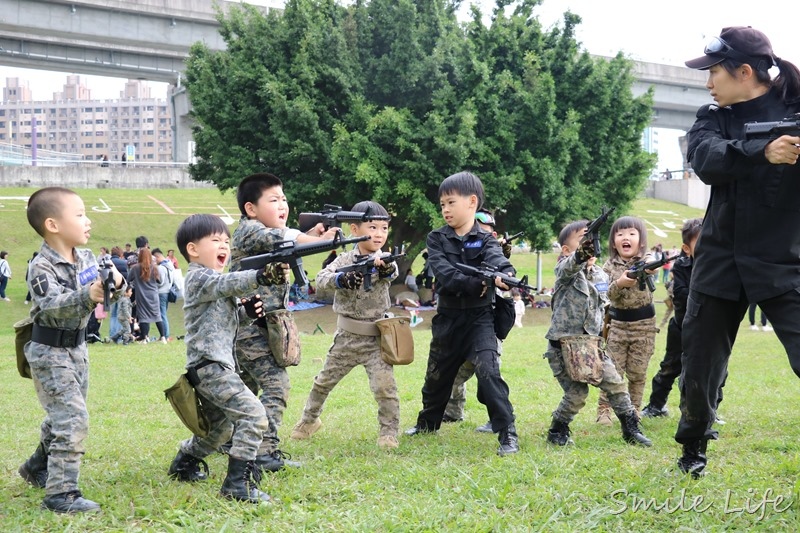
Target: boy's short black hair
(196, 227)
(463, 184)
(569, 229)
(251, 188)
(157, 251)
(46, 203)
(627, 222)
(374, 208)
(141, 241)
(691, 229)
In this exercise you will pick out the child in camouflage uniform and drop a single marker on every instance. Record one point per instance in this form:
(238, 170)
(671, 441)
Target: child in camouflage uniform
(578, 310)
(632, 329)
(357, 339)
(64, 283)
(125, 318)
(263, 225)
(211, 318)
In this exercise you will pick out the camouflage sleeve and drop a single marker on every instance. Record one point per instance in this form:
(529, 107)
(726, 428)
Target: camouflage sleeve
(326, 278)
(52, 299)
(567, 268)
(208, 286)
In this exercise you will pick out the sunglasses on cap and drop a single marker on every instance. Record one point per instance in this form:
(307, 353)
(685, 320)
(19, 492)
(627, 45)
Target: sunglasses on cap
(485, 218)
(718, 46)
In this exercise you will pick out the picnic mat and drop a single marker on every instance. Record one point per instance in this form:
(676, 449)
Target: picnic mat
(303, 306)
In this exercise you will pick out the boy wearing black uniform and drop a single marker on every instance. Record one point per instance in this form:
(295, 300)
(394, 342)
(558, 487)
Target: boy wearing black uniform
(463, 328)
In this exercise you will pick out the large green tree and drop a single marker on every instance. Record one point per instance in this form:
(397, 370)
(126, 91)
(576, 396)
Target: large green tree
(384, 98)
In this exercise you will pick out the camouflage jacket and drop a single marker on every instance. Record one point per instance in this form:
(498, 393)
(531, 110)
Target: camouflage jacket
(576, 303)
(251, 238)
(124, 309)
(210, 312)
(60, 293)
(628, 297)
(357, 304)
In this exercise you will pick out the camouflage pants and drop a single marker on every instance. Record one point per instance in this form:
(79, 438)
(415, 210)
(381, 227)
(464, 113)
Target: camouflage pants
(256, 361)
(348, 351)
(458, 397)
(631, 345)
(232, 409)
(575, 392)
(61, 380)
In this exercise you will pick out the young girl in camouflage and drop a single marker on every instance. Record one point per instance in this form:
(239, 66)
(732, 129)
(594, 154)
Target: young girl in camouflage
(357, 341)
(632, 329)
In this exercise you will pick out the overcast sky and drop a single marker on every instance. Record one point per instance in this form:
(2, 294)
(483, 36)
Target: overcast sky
(668, 32)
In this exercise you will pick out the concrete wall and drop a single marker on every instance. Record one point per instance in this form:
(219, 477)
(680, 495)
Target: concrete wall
(98, 177)
(691, 192)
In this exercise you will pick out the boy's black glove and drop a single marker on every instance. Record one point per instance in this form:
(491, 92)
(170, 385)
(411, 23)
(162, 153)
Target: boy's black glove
(253, 306)
(273, 274)
(386, 270)
(350, 280)
(585, 250)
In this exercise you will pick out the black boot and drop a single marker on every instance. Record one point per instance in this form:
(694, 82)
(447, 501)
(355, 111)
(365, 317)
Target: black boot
(652, 411)
(34, 470)
(239, 483)
(69, 502)
(418, 430)
(631, 432)
(693, 461)
(486, 428)
(508, 441)
(559, 433)
(186, 467)
(272, 462)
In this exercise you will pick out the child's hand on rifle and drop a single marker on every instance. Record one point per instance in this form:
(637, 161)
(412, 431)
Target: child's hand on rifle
(96, 291)
(253, 307)
(384, 269)
(274, 274)
(627, 280)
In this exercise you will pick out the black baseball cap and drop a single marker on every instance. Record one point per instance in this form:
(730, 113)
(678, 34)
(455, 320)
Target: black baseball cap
(740, 43)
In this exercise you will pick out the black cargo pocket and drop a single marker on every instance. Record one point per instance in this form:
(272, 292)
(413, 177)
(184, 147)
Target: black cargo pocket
(694, 303)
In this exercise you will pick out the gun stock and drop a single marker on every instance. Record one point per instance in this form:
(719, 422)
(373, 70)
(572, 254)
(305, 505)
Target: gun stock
(333, 215)
(488, 273)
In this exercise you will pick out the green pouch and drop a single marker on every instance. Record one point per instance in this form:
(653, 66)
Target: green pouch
(22, 333)
(187, 406)
(283, 337)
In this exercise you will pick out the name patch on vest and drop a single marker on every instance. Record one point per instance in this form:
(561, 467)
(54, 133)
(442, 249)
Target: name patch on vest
(601, 287)
(88, 275)
(473, 244)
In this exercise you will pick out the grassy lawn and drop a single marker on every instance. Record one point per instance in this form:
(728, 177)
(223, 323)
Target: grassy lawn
(450, 481)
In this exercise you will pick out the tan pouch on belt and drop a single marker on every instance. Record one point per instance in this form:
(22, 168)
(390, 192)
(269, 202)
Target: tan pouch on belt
(283, 337)
(397, 341)
(184, 401)
(22, 335)
(583, 358)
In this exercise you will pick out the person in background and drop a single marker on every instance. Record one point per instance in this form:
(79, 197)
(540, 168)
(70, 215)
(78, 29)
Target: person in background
(122, 266)
(144, 278)
(5, 275)
(28, 295)
(166, 277)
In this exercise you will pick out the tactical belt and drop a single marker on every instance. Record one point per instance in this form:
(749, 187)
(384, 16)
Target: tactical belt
(359, 327)
(454, 302)
(191, 372)
(58, 338)
(632, 315)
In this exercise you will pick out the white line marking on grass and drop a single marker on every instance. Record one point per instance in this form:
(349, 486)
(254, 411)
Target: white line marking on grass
(163, 205)
(104, 209)
(226, 218)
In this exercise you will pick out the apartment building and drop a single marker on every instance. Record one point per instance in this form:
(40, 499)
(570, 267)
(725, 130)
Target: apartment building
(74, 123)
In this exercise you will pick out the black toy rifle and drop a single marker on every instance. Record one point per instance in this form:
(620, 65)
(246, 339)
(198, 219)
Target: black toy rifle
(508, 239)
(332, 215)
(291, 253)
(366, 265)
(593, 229)
(106, 276)
(488, 273)
(773, 130)
(639, 268)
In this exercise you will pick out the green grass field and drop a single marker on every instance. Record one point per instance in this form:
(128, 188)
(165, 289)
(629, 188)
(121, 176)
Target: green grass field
(451, 481)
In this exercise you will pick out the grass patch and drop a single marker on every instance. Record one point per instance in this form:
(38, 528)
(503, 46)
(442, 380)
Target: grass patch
(449, 481)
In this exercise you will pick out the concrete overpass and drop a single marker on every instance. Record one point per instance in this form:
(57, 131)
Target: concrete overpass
(149, 39)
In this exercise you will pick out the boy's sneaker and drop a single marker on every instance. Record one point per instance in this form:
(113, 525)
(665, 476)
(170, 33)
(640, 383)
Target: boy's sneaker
(387, 442)
(604, 416)
(753, 327)
(766, 328)
(304, 430)
(69, 502)
(651, 411)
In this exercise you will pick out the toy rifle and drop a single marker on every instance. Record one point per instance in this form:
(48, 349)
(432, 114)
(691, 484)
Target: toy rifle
(366, 265)
(638, 271)
(773, 130)
(488, 273)
(593, 229)
(332, 215)
(106, 276)
(292, 253)
(508, 239)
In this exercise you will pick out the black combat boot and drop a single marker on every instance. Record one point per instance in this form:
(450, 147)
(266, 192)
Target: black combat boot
(186, 468)
(34, 470)
(69, 502)
(693, 461)
(240, 485)
(651, 411)
(559, 433)
(486, 428)
(508, 441)
(272, 462)
(418, 430)
(631, 432)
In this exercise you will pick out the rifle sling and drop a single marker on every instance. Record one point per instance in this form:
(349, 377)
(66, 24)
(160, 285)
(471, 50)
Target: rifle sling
(359, 327)
(632, 315)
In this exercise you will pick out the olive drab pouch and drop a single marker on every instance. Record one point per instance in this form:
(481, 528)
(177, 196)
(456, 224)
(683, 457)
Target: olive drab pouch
(283, 337)
(583, 358)
(22, 333)
(187, 406)
(504, 317)
(397, 341)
